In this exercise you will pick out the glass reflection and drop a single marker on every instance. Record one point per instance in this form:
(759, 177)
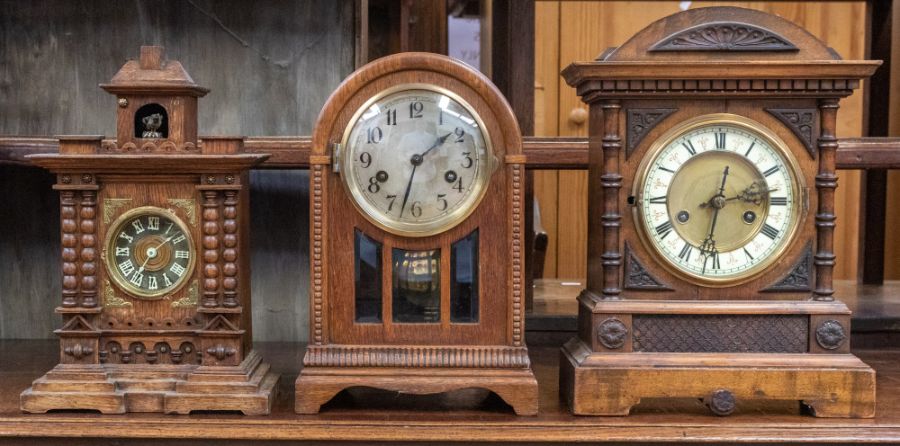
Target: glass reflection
(416, 286)
(367, 275)
(464, 279)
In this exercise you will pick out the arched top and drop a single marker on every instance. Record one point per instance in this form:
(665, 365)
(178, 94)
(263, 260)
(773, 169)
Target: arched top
(722, 33)
(429, 67)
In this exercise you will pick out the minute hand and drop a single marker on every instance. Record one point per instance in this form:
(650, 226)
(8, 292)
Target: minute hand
(416, 160)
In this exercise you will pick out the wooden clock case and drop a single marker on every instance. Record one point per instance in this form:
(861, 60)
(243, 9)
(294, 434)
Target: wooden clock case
(644, 332)
(190, 350)
(418, 358)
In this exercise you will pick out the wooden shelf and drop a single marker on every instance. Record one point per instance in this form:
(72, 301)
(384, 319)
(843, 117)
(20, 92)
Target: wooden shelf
(368, 415)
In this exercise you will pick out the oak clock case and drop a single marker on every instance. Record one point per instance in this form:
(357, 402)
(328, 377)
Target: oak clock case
(711, 220)
(155, 287)
(416, 170)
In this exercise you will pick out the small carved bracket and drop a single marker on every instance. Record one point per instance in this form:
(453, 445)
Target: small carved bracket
(110, 300)
(801, 121)
(191, 297)
(188, 205)
(724, 36)
(640, 121)
(637, 277)
(111, 206)
(799, 278)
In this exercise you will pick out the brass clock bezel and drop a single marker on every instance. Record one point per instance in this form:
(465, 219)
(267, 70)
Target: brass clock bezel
(108, 246)
(774, 141)
(438, 226)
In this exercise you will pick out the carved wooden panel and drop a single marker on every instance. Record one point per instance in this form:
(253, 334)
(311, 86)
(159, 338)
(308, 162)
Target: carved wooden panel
(640, 121)
(801, 121)
(720, 333)
(724, 36)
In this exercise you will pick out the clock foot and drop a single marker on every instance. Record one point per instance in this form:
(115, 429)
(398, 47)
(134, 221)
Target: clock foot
(317, 385)
(74, 387)
(595, 383)
(180, 389)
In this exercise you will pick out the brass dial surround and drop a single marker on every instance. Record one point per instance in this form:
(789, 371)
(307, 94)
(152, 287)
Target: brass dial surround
(154, 251)
(699, 184)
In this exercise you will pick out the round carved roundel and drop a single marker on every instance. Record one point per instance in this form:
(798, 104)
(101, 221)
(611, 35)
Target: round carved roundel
(612, 333)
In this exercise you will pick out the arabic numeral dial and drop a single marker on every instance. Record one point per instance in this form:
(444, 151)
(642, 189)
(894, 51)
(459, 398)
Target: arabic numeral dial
(416, 161)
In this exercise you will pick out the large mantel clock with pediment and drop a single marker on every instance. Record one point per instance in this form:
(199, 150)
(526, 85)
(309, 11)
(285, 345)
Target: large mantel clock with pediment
(155, 260)
(711, 220)
(417, 180)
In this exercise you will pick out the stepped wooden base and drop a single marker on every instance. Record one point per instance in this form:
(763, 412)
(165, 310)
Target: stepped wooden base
(317, 385)
(832, 385)
(180, 389)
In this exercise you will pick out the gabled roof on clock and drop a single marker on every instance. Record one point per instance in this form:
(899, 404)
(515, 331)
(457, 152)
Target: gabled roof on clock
(720, 43)
(153, 74)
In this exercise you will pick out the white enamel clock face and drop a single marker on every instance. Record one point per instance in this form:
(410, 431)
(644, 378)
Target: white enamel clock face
(416, 160)
(719, 199)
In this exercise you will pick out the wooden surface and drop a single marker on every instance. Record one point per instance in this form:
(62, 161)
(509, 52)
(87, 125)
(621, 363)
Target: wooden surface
(367, 415)
(569, 31)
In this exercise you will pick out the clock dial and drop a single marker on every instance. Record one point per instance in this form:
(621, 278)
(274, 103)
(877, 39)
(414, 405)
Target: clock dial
(719, 199)
(416, 160)
(149, 252)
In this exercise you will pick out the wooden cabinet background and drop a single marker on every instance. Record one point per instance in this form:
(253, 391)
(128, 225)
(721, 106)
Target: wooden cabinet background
(567, 31)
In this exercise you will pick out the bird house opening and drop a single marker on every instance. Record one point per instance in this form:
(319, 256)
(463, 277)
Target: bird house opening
(151, 122)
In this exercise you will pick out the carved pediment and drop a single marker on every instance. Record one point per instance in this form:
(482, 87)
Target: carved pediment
(724, 36)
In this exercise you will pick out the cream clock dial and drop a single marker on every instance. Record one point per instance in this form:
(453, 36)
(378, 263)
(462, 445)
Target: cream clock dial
(719, 198)
(416, 160)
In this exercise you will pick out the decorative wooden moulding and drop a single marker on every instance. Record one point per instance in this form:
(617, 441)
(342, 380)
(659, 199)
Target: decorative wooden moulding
(155, 244)
(649, 327)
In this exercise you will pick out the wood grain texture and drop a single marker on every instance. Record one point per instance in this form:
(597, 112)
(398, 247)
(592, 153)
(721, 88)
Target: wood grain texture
(270, 68)
(389, 417)
(423, 357)
(704, 354)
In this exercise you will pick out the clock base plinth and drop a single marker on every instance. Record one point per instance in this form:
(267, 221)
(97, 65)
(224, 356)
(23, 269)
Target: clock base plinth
(121, 388)
(609, 384)
(317, 385)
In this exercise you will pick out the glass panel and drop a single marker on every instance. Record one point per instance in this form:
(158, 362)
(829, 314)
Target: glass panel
(417, 286)
(367, 275)
(464, 279)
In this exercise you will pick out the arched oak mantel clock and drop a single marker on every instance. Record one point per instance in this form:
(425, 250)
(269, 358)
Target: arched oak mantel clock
(711, 220)
(155, 259)
(417, 237)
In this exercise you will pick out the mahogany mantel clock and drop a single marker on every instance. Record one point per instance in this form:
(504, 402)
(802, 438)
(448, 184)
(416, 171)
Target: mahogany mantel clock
(417, 225)
(711, 220)
(155, 287)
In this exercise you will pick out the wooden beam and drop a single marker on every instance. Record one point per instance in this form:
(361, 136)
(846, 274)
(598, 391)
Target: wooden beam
(292, 152)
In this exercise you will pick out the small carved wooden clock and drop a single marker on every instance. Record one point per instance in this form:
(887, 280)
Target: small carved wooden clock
(417, 237)
(156, 278)
(711, 220)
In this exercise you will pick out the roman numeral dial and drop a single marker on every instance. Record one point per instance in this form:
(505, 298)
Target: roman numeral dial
(718, 198)
(149, 252)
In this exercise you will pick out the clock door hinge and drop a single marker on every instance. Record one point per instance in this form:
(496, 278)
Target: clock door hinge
(335, 157)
